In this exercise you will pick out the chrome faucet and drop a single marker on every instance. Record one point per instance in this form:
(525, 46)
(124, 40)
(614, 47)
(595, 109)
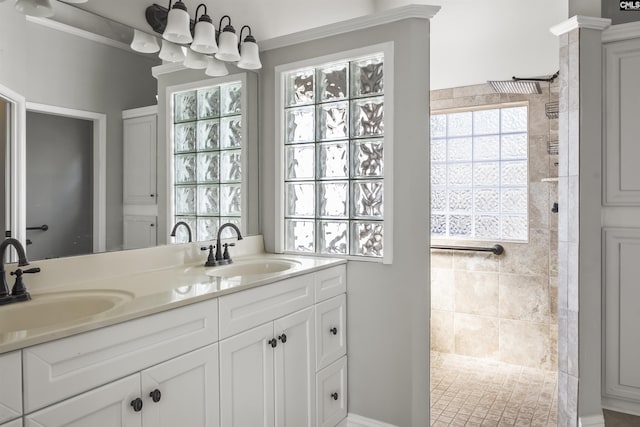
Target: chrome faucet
(222, 259)
(175, 227)
(19, 293)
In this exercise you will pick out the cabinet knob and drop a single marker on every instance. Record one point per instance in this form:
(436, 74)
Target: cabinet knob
(152, 225)
(153, 195)
(155, 395)
(334, 396)
(283, 338)
(136, 404)
(273, 342)
(333, 331)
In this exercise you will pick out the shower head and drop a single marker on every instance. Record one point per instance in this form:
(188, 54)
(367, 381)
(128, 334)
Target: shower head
(515, 86)
(520, 85)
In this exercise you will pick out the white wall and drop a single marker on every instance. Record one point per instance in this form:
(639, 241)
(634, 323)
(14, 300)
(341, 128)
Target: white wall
(267, 19)
(474, 41)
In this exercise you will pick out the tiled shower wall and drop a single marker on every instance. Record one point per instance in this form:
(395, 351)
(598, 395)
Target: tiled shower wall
(504, 307)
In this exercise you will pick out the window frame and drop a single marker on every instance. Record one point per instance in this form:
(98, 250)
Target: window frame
(387, 49)
(169, 152)
(446, 240)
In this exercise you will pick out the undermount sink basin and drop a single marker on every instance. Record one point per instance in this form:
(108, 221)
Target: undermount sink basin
(58, 307)
(252, 268)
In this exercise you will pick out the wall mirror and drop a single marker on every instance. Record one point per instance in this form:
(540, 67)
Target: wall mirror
(76, 74)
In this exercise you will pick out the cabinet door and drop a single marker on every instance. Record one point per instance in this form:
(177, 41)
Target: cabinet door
(332, 394)
(106, 406)
(139, 231)
(295, 382)
(11, 384)
(187, 391)
(246, 379)
(140, 160)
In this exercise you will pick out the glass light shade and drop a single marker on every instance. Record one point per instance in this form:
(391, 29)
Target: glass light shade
(39, 8)
(178, 29)
(195, 60)
(216, 68)
(144, 43)
(228, 47)
(171, 52)
(250, 57)
(204, 40)
(75, 1)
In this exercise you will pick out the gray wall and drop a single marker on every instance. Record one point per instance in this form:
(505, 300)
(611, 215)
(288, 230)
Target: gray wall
(55, 68)
(611, 10)
(59, 185)
(388, 316)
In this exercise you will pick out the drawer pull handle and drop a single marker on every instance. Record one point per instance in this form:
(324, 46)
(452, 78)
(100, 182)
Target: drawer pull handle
(334, 396)
(333, 331)
(136, 404)
(283, 338)
(273, 343)
(155, 395)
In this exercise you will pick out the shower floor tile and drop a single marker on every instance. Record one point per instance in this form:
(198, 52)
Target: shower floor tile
(466, 391)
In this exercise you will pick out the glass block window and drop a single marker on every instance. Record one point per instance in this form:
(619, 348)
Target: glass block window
(334, 158)
(207, 159)
(479, 174)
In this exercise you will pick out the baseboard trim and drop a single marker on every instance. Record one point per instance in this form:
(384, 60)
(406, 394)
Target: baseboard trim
(591, 421)
(355, 420)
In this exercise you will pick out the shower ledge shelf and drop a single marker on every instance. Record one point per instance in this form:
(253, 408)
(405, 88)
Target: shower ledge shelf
(551, 179)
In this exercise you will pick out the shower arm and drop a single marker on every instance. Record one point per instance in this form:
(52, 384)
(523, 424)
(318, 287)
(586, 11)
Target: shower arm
(537, 79)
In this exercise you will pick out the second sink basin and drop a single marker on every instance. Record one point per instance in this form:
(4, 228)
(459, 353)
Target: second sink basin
(58, 307)
(252, 268)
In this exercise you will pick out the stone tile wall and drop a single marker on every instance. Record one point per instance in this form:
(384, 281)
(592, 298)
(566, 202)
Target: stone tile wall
(504, 307)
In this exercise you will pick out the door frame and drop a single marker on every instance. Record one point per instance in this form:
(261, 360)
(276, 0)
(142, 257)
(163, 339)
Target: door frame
(99, 121)
(17, 162)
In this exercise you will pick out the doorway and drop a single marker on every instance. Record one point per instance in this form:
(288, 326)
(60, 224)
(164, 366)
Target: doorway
(59, 186)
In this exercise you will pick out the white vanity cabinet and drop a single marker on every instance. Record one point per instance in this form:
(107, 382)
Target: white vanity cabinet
(249, 358)
(273, 366)
(10, 386)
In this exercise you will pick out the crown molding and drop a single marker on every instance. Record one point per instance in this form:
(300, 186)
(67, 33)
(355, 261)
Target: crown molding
(168, 68)
(580, 21)
(362, 22)
(621, 32)
(58, 26)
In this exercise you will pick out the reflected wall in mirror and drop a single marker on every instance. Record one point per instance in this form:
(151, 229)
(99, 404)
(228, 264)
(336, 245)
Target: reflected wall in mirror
(61, 63)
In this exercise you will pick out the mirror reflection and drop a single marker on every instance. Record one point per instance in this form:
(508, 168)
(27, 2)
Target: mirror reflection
(82, 84)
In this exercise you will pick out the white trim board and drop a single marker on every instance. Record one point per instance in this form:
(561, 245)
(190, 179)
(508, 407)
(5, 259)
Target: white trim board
(140, 112)
(580, 21)
(355, 420)
(17, 162)
(99, 165)
(362, 22)
(58, 26)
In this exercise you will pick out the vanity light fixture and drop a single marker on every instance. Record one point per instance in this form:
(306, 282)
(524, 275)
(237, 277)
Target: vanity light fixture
(249, 55)
(227, 42)
(145, 43)
(206, 43)
(171, 52)
(178, 29)
(39, 8)
(204, 38)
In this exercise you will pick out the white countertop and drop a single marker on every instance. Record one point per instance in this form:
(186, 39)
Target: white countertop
(147, 291)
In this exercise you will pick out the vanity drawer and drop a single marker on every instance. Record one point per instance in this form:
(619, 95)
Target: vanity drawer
(244, 310)
(331, 394)
(331, 333)
(10, 386)
(60, 369)
(330, 282)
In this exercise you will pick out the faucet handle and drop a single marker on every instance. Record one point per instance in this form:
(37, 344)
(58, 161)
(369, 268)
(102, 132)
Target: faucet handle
(211, 261)
(226, 255)
(19, 291)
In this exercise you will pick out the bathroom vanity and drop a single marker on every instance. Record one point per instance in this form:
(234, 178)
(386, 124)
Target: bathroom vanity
(261, 342)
